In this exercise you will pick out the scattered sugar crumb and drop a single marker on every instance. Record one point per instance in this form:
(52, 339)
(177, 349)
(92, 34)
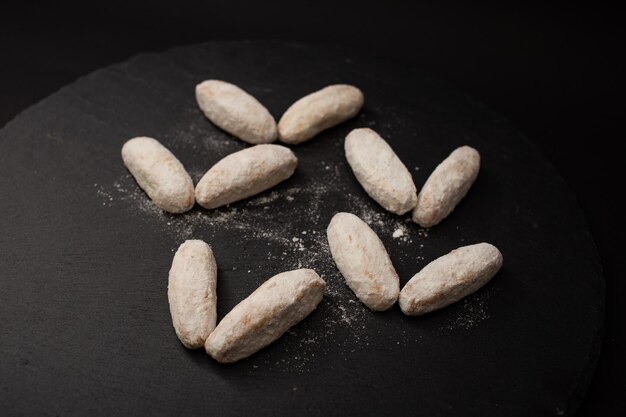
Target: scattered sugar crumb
(398, 233)
(474, 310)
(263, 199)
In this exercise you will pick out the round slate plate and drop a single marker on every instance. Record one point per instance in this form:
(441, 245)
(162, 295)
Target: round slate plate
(85, 256)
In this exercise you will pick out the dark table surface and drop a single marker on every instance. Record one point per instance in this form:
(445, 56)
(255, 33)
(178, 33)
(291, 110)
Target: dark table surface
(552, 70)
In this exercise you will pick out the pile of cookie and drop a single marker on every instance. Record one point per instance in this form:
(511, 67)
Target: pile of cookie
(287, 298)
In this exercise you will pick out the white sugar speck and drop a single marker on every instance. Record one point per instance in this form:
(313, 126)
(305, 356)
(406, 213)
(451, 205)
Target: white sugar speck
(473, 311)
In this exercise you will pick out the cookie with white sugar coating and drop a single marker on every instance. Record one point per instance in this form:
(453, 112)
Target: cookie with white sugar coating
(191, 292)
(245, 173)
(363, 261)
(159, 174)
(446, 186)
(278, 304)
(319, 111)
(450, 278)
(235, 111)
(379, 170)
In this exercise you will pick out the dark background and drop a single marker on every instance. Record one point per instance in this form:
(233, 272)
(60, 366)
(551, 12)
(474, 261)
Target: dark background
(552, 69)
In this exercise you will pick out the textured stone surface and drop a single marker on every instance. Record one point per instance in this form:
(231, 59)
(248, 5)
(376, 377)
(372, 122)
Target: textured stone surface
(85, 255)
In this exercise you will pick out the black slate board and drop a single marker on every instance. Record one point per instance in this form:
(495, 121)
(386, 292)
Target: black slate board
(84, 256)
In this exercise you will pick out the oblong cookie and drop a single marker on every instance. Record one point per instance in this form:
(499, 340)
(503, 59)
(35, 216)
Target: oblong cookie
(191, 292)
(245, 173)
(159, 174)
(446, 186)
(363, 261)
(318, 111)
(278, 304)
(449, 278)
(236, 111)
(379, 171)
